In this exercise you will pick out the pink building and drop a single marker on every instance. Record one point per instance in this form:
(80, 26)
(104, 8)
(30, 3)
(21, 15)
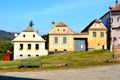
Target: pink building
(115, 23)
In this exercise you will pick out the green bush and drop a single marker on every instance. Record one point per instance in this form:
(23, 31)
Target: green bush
(1, 55)
(5, 45)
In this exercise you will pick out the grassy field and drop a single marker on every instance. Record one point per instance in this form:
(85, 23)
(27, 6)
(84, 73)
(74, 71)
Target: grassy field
(63, 61)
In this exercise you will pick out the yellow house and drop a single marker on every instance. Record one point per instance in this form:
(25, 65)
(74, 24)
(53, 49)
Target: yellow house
(97, 35)
(29, 44)
(62, 38)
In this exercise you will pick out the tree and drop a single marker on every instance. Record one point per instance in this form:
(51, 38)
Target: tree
(46, 38)
(5, 45)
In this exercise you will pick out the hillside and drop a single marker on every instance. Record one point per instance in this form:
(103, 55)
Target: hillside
(64, 61)
(7, 36)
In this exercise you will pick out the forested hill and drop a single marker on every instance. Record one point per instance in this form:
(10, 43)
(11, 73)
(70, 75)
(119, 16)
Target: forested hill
(7, 36)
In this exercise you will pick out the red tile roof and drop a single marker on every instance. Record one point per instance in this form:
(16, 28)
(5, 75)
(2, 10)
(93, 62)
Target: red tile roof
(116, 8)
(94, 21)
(97, 21)
(81, 33)
(61, 24)
(29, 29)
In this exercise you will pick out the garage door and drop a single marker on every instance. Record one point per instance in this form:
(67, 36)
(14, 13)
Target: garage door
(79, 44)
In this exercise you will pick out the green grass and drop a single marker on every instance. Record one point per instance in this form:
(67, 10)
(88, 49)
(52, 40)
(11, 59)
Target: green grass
(65, 61)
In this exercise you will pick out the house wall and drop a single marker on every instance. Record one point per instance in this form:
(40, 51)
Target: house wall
(115, 22)
(97, 42)
(92, 42)
(60, 46)
(28, 36)
(115, 33)
(32, 52)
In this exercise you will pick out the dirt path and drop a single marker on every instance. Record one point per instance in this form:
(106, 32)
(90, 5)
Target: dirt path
(99, 73)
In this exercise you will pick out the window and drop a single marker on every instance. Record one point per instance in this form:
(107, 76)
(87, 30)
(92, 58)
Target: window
(36, 46)
(58, 30)
(24, 35)
(118, 19)
(101, 34)
(56, 50)
(29, 55)
(29, 46)
(21, 55)
(34, 35)
(21, 46)
(56, 40)
(94, 34)
(63, 30)
(37, 55)
(65, 49)
(64, 40)
(111, 20)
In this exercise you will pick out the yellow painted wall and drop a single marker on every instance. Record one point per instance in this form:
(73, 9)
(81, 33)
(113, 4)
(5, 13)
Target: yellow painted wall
(98, 41)
(93, 42)
(60, 46)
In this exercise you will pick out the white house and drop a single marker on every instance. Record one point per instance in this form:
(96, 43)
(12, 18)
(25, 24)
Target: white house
(29, 44)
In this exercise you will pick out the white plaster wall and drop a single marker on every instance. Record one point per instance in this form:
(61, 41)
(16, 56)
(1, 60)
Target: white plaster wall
(25, 52)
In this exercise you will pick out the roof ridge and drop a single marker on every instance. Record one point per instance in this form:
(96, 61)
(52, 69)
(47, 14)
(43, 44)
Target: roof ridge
(29, 29)
(115, 8)
(61, 24)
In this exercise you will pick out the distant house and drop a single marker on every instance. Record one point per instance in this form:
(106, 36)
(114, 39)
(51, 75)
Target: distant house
(115, 24)
(97, 35)
(112, 21)
(94, 36)
(29, 44)
(60, 38)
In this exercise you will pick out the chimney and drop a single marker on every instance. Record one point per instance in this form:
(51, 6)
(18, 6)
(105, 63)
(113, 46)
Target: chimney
(53, 25)
(37, 32)
(116, 2)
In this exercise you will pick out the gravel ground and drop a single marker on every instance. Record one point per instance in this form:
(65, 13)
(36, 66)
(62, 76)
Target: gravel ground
(98, 73)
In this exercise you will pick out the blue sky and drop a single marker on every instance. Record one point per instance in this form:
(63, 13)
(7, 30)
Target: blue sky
(15, 15)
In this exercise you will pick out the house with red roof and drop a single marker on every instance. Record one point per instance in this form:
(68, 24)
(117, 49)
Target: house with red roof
(62, 38)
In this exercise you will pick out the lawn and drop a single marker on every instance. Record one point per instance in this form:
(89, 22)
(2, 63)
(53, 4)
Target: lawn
(64, 61)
